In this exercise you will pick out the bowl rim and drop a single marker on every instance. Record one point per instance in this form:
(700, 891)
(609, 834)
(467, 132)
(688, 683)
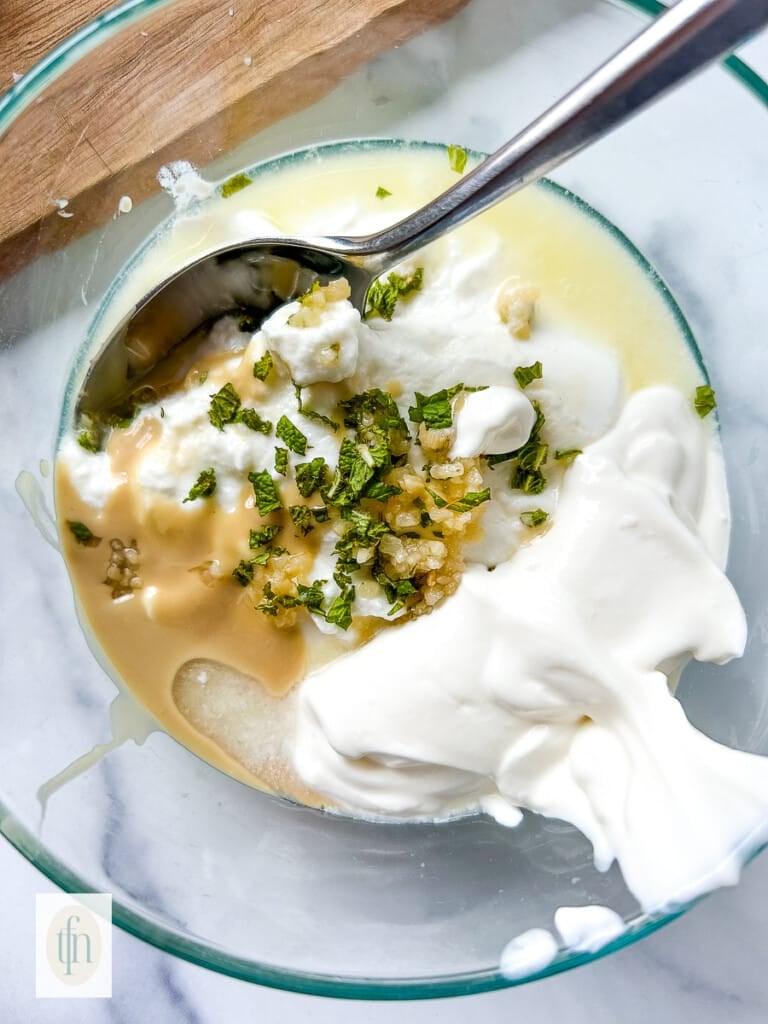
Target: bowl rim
(12, 103)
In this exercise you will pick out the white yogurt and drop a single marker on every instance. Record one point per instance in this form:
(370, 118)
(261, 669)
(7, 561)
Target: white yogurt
(539, 682)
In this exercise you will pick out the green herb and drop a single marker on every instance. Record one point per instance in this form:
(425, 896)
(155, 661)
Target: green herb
(364, 533)
(526, 474)
(235, 184)
(271, 602)
(396, 590)
(340, 609)
(382, 193)
(281, 461)
(291, 435)
(204, 487)
(470, 500)
(525, 375)
(225, 405)
(425, 519)
(434, 411)
(351, 475)
(704, 401)
(439, 501)
(566, 454)
(119, 422)
(162, 413)
(250, 320)
(311, 476)
(375, 407)
(535, 517)
(377, 490)
(530, 481)
(260, 538)
(304, 297)
(384, 295)
(457, 158)
(265, 489)
(263, 367)
(312, 414)
(244, 571)
(90, 438)
(302, 518)
(251, 419)
(311, 597)
(321, 514)
(203, 377)
(82, 534)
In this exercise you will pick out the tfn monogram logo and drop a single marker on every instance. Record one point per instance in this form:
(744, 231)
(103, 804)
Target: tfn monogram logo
(74, 945)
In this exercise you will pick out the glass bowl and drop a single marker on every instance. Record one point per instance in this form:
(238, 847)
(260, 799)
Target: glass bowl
(199, 864)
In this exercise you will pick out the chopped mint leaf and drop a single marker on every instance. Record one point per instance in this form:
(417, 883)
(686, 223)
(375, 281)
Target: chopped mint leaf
(260, 538)
(396, 590)
(525, 375)
(311, 596)
(314, 287)
(350, 477)
(251, 419)
(321, 513)
(470, 500)
(382, 193)
(364, 533)
(265, 489)
(704, 401)
(270, 604)
(566, 454)
(457, 158)
(384, 295)
(434, 411)
(281, 461)
(273, 602)
(377, 490)
(225, 405)
(311, 476)
(263, 367)
(535, 517)
(528, 481)
(526, 474)
(302, 518)
(250, 320)
(312, 414)
(439, 501)
(243, 572)
(235, 184)
(204, 487)
(291, 435)
(90, 439)
(340, 609)
(83, 534)
(375, 407)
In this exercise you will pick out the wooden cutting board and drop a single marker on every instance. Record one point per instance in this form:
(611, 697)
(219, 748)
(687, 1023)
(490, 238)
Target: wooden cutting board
(230, 66)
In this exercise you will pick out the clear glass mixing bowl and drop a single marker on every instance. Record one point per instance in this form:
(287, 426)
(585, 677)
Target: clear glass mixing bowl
(197, 863)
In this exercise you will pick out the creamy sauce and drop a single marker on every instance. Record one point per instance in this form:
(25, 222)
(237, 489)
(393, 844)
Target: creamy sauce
(358, 734)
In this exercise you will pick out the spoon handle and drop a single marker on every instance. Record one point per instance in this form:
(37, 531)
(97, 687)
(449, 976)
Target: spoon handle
(679, 42)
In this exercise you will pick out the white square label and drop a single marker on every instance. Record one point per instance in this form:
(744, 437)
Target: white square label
(73, 945)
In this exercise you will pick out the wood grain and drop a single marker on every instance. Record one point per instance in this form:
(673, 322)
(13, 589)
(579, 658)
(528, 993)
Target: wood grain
(193, 79)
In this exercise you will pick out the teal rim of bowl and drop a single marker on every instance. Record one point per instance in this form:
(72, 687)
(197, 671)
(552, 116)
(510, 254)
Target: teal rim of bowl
(20, 95)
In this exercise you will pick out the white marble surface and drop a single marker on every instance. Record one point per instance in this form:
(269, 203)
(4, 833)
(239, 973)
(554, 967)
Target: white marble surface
(709, 966)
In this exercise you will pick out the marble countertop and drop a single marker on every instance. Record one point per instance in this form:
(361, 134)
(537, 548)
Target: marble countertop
(708, 966)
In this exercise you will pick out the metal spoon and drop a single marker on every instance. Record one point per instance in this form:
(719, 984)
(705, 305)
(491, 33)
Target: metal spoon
(265, 273)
